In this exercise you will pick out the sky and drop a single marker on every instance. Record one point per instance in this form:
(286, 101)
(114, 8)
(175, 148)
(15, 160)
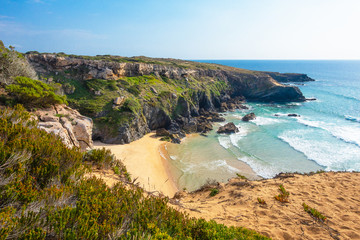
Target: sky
(186, 29)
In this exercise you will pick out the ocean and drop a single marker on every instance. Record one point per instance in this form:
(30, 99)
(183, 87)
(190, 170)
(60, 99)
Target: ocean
(326, 136)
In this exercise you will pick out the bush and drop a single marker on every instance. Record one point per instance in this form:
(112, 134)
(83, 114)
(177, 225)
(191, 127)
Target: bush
(34, 93)
(100, 157)
(30, 159)
(283, 196)
(313, 212)
(213, 192)
(13, 64)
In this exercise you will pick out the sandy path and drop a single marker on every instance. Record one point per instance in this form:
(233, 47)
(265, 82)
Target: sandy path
(144, 162)
(335, 195)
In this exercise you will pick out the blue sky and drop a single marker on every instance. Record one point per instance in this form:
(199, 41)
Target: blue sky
(187, 29)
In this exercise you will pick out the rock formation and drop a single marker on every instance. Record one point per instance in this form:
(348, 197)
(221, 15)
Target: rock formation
(248, 117)
(228, 128)
(74, 129)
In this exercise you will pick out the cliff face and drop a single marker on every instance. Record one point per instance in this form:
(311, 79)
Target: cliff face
(159, 93)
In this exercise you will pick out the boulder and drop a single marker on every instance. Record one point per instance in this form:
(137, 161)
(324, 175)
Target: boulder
(248, 117)
(190, 127)
(98, 93)
(119, 101)
(162, 132)
(176, 140)
(74, 129)
(204, 127)
(240, 106)
(228, 128)
(153, 90)
(293, 115)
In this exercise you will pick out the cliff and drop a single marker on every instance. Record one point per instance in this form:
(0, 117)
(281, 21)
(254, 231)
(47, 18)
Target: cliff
(128, 97)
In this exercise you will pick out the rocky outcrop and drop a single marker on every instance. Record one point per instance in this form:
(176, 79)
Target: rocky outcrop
(248, 117)
(228, 128)
(252, 85)
(289, 77)
(74, 129)
(127, 133)
(162, 132)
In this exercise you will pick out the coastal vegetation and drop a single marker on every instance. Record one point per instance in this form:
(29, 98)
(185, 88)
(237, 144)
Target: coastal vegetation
(44, 194)
(47, 193)
(283, 196)
(313, 212)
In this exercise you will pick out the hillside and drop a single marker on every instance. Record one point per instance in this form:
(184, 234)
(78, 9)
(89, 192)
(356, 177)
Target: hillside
(44, 194)
(128, 97)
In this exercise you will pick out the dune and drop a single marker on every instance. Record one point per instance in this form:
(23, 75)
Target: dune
(335, 195)
(144, 162)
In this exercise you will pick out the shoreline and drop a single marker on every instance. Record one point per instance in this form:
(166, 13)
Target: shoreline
(145, 163)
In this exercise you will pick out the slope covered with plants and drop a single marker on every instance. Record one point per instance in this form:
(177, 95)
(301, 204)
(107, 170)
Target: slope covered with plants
(44, 195)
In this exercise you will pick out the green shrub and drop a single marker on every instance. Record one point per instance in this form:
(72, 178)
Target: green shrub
(100, 157)
(33, 158)
(313, 212)
(283, 196)
(34, 93)
(213, 192)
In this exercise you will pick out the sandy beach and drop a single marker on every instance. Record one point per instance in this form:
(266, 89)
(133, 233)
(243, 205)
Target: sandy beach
(335, 195)
(143, 161)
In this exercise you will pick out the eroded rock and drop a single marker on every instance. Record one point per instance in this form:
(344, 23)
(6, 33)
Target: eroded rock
(249, 117)
(74, 129)
(228, 128)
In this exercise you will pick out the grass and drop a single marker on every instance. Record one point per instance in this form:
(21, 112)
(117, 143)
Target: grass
(283, 196)
(313, 212)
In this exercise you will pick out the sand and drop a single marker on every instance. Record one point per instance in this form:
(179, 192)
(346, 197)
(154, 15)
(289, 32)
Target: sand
(143, 161)
(335, 195)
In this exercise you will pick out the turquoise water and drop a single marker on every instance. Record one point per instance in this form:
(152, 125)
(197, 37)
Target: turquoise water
(326, 136)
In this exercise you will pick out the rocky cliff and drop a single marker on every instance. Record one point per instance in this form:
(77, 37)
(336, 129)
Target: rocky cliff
(254, 85)
(128, 97)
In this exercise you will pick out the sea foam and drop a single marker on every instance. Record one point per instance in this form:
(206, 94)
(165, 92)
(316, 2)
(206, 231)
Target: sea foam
(350, 134)
(266, 121)
(328, 154)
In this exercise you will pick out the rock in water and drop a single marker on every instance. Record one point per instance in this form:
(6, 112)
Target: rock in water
(248, 117)
(228, 128)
